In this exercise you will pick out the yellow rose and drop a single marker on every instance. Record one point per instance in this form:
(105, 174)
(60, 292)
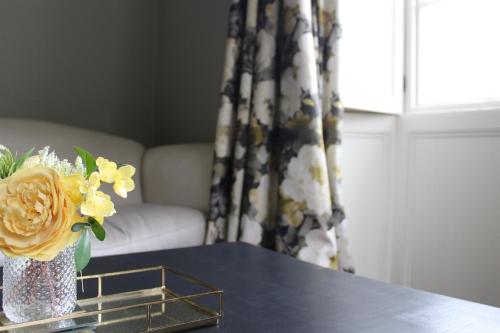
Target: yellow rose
(36, 214)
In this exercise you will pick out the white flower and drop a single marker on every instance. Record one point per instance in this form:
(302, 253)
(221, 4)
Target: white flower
(263, 155)
(31, 162)
(344, 255)
(230, 58)
(212, 233)
(251, 231)
(305, 64)
(222, 146)
(291, 94)
(225, 112)
(259, 198)
(49, 159)
(237, 186)
(307, 180)
(246, 86)
(79, 167)
(320, 247)
(233, 219)
(263, 97)
(267, 49)
(333, 156)
(239, 151)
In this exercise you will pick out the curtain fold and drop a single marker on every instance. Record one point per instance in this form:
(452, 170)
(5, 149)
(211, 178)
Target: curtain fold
(276, 173)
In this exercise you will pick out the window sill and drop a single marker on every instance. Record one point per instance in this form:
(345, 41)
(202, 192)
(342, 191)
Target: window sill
(365, 111)
(470, 107)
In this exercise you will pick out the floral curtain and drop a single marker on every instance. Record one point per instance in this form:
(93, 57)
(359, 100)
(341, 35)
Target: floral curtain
(276, 172)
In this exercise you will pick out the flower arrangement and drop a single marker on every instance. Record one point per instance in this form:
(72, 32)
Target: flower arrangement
(48, 204)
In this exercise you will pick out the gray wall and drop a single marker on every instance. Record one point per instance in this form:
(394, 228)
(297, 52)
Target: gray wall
(88, 63)
(193, 34)
(145, 69)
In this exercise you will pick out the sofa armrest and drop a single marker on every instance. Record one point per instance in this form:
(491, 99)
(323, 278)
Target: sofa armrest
(178, 175)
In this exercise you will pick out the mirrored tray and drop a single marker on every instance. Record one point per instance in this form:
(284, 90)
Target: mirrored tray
(155, 299)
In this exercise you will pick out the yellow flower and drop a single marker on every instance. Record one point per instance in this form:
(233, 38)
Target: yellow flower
(36, 214)
(293, 212)
(93, 183)
(72, 185)
(98, 205)
(123, 180)
(107, 169)
(99, 219)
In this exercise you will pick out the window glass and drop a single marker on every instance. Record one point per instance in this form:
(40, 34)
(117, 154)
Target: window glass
(370, 54)
(457, 52)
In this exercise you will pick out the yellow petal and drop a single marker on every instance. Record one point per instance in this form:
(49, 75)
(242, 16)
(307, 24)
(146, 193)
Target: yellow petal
(72, 186)
(97, 203)
(119, 188)
(99, 219)
(95, 180)
(129, 184)
(126, 171)
(101, 161)
(308, 101)
(107, 170)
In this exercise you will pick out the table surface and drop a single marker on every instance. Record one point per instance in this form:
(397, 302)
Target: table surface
(266, 291)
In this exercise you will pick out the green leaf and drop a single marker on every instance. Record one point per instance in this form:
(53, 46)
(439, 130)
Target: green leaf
(87, 159)
(97, 229)
(6, 162)
(82, 253)
(79, 226)
(19, 162)
(11, 169)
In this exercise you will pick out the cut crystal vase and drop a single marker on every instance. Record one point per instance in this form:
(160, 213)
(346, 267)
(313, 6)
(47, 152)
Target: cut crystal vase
(35, 290)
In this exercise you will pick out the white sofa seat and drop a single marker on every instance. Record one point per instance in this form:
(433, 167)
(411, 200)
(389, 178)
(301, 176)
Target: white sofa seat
(148, 227)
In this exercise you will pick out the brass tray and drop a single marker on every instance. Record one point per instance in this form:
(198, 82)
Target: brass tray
(183, 303)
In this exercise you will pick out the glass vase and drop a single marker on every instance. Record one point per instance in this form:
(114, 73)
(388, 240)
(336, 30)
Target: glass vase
(35, 289)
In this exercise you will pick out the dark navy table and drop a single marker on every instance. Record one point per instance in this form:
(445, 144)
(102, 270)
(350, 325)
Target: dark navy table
(268, 292)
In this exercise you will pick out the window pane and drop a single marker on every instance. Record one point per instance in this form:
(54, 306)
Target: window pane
(458, 51)
(368, 64)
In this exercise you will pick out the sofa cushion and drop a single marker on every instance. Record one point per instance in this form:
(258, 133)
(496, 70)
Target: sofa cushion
(147, 227)
(166, 169)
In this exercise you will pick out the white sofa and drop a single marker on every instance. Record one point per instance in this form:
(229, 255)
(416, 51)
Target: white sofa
(167, 209)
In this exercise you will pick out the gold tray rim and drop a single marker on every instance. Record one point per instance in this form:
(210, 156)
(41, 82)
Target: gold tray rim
(214, 315)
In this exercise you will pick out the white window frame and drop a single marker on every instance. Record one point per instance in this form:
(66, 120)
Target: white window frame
(410, 76)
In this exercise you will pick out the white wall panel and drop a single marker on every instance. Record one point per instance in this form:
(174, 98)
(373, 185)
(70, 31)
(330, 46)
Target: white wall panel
(367, 156)
(447, 236)
(454, 225)
(422, 195)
